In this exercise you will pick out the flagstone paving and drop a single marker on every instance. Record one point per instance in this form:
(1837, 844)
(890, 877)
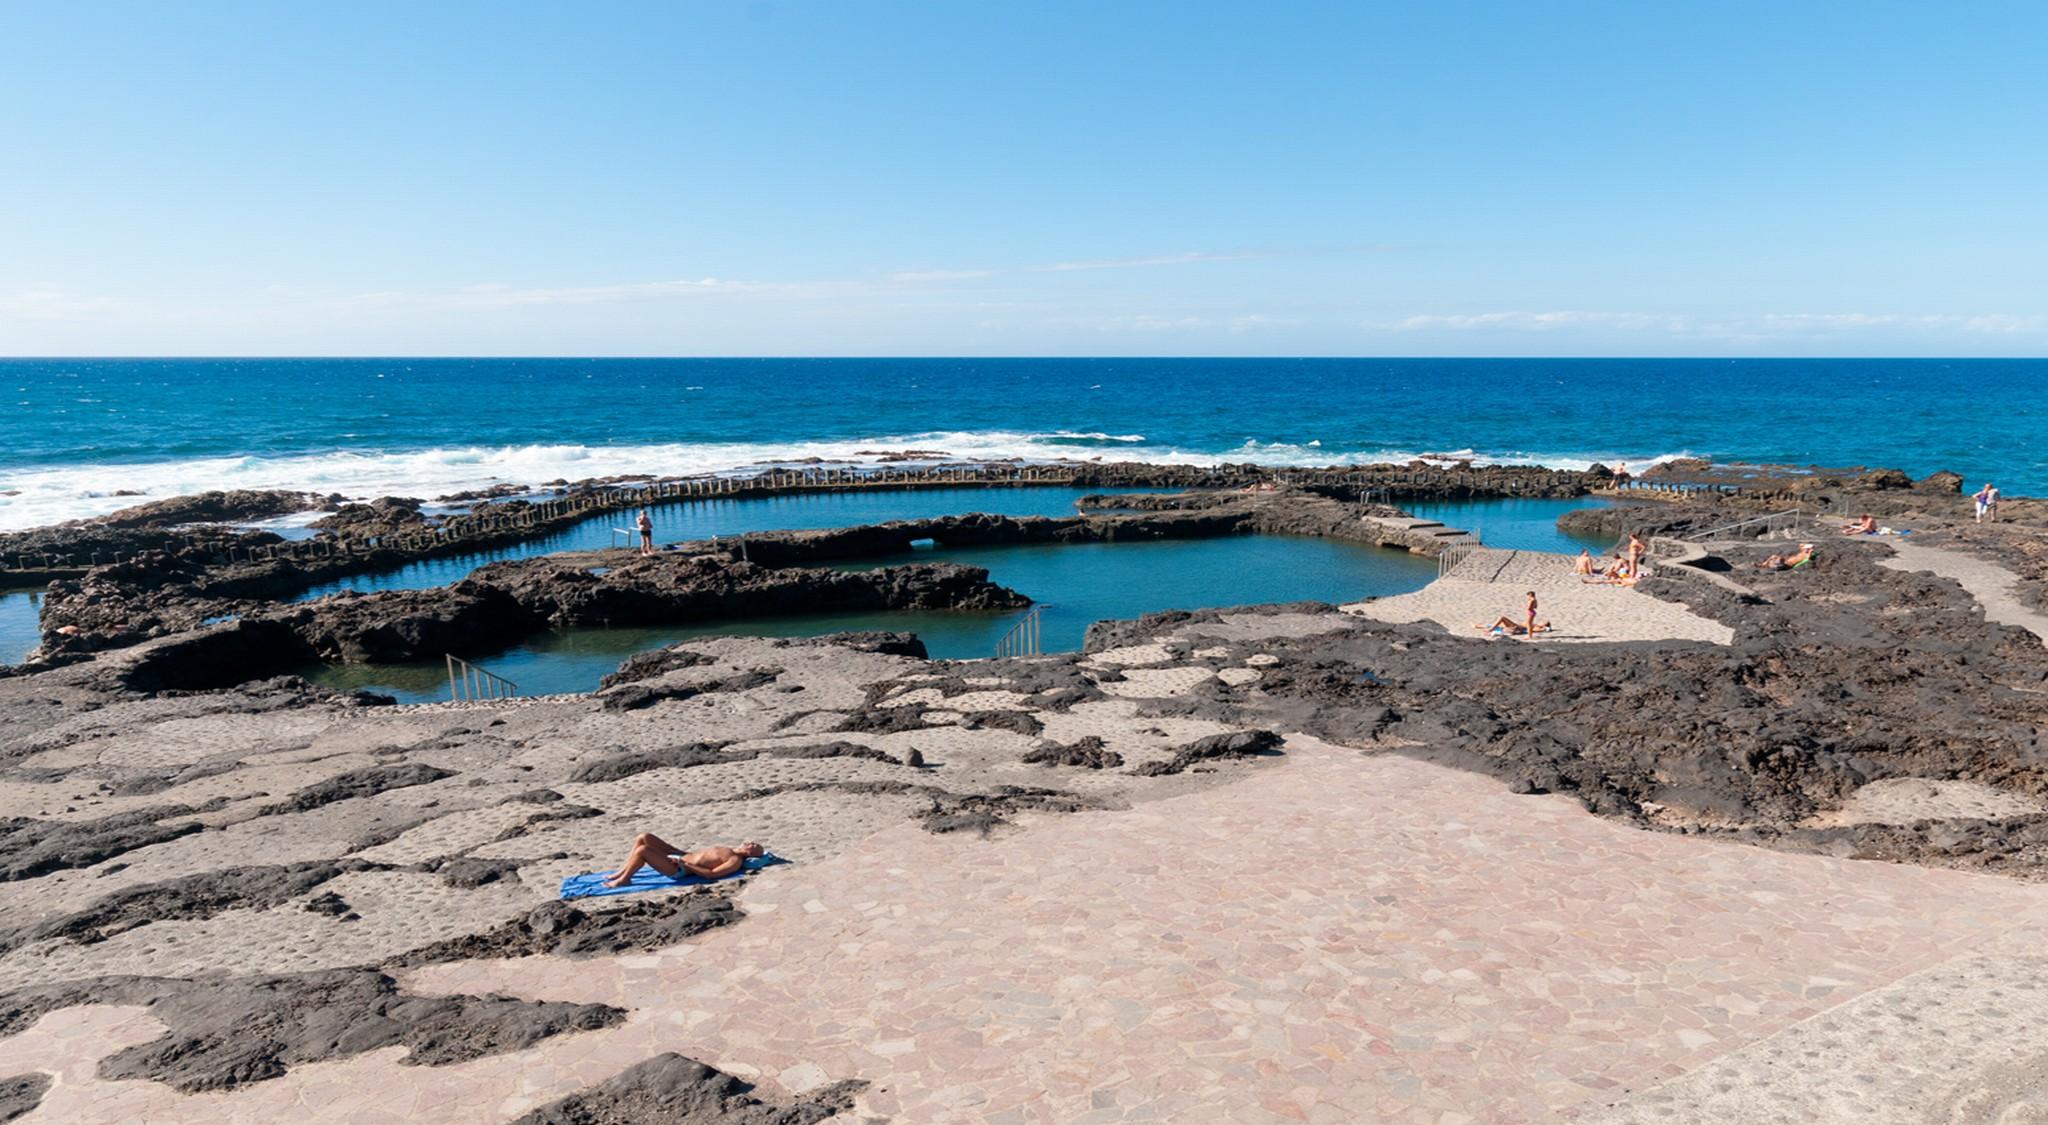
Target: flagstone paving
(1340, 937)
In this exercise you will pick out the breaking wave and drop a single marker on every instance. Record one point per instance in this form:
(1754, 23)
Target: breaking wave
(46, 495)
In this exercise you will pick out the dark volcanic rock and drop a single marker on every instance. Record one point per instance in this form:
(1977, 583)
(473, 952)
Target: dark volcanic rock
(231, 1031)
(1232, 744)
(981, 812)
(835, 749)
(21, 1094)
(634, 696)
(1088, 753)
(217, 657)
(1837, 677)
(679, 1091)
(888, 644)
(708, 754)
(883, 720)
(235, 506)
(361, 783)
(1021, 722)
(31, 847)
(626, 765)
(470, 871)
(649, 665)
(385, 515)
(332, 905)
(560, 928)
(397, 626)
(187, 898)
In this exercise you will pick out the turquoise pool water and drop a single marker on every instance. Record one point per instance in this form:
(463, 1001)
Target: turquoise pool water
(1517, 525)
(18, 633)
(703, 519)
(1077, 585)
(1084, 584)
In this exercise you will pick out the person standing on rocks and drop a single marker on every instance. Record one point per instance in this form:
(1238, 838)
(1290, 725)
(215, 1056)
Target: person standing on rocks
(645, 524)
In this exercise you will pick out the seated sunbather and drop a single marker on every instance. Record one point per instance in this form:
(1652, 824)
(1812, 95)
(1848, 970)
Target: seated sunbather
(1511, 627)
(714, 862)
(1584, 563)
(1865, 526)
(1619, 574)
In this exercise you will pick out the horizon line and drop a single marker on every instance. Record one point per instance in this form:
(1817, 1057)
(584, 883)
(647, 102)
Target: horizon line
(368, 356)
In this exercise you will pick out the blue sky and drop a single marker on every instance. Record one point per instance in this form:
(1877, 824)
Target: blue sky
(851, 178)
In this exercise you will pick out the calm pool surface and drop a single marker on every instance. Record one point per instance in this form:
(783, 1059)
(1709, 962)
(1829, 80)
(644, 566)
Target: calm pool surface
(702, 519)
(1077, 585)
(18, 634)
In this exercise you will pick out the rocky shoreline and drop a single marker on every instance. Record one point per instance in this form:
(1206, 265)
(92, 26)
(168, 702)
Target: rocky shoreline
(259, 864)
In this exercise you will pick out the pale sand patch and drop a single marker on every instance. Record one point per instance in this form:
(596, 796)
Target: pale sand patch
(1158, 683)
(1578, 613)
(1903, 800)
(1990, 583)
(1131, 655)
(965, 701)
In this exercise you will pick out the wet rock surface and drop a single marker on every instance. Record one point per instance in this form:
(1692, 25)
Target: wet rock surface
(672, 1088)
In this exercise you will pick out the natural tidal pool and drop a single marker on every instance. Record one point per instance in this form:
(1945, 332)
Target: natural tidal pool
(686, 520)
(19, 635)
(1516, 524)
(1076, 585)
(1082, 583)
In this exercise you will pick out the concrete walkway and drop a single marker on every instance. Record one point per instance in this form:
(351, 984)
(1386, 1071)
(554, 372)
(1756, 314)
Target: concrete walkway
(1990, 583)
(1338, 938)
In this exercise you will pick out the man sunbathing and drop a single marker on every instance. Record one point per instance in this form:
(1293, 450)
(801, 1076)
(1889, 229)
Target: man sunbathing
(714, 862)
(1786, 562)
(1865, 526)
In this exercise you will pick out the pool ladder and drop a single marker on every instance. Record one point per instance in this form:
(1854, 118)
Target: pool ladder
(1023, 637)
(468, 681)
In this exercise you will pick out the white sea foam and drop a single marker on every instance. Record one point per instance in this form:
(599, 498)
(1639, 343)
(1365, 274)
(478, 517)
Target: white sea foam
(40, 496)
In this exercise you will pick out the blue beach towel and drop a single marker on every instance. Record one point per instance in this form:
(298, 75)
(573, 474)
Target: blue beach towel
(591, 884)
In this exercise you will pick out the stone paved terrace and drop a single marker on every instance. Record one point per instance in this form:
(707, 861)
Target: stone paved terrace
(1340, 937)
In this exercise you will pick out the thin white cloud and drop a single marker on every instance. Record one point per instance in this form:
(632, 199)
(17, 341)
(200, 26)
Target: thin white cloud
(1154, 260)
(918, 276)
(1149, 323)
(1520, 321)
(1849, 322)
(50, 303)
(1764, 325)
(493, 296)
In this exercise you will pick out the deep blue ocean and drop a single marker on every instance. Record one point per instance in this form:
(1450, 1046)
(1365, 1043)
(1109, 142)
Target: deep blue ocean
(77, 430)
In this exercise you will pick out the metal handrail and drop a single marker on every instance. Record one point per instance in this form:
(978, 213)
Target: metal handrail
(468, 681)
(1024, 637)
(1789, 518)
(1456, 553)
